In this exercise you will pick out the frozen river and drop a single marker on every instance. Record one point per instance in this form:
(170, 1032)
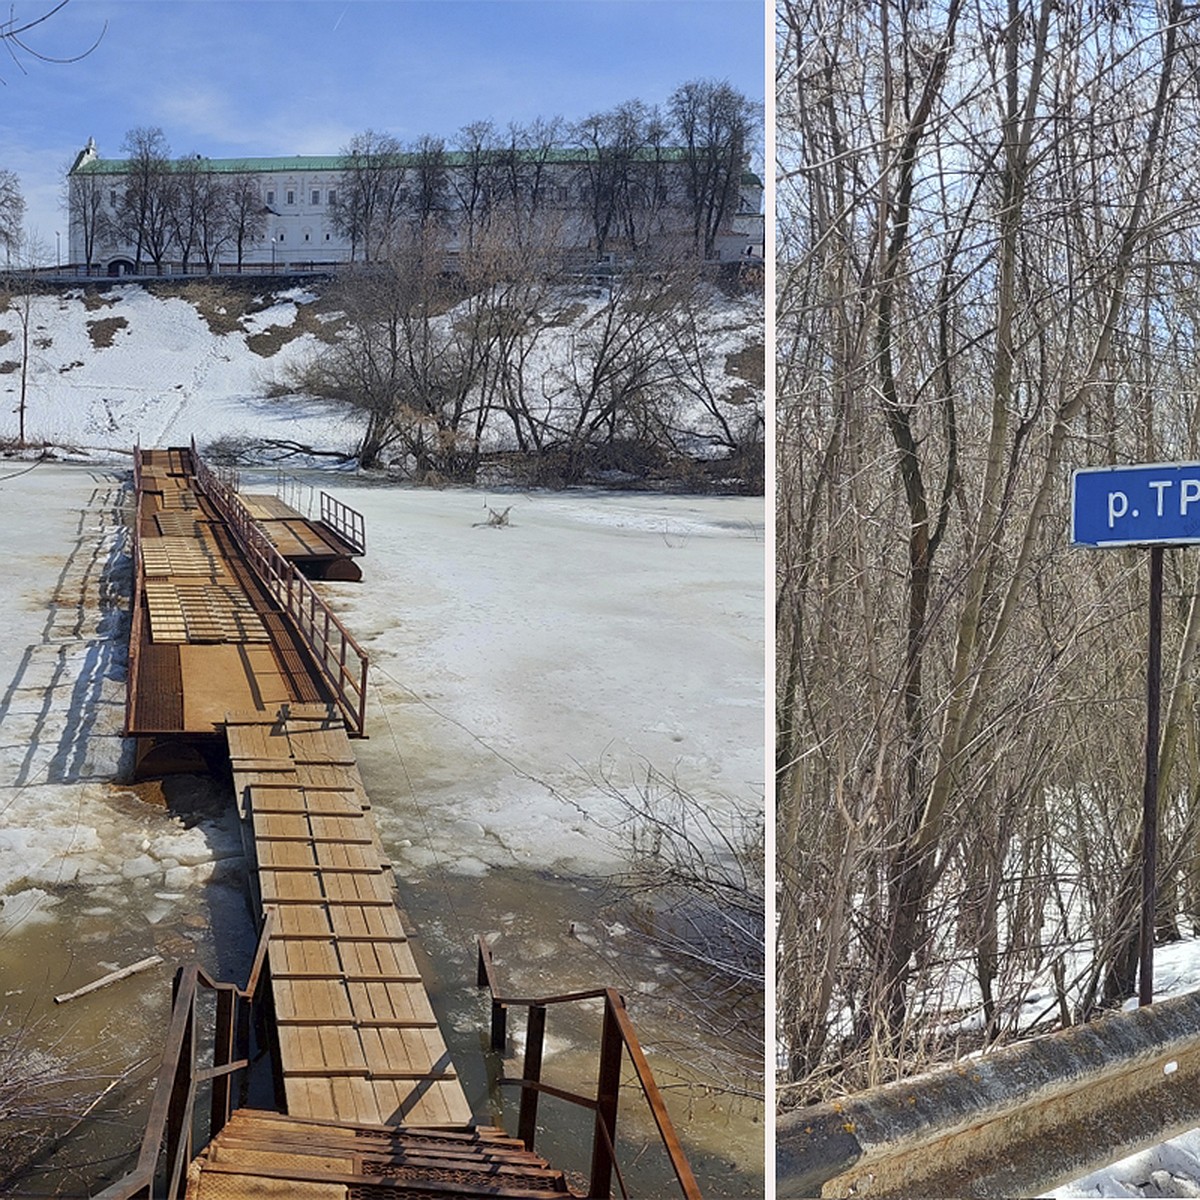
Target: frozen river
(524, 679)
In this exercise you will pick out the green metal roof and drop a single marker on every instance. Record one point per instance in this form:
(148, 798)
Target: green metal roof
(229, 166)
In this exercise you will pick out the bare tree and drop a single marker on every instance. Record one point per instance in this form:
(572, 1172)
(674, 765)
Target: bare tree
(478, 177)
(427, 201)
(12, 212)
(187, 197)
(17, 296)
(83, 198)
(614, 144)
(974, 276)
(398, 367)
(716, 125)
(370, 193)
(245, 210)
(15, 31)
(145, 206)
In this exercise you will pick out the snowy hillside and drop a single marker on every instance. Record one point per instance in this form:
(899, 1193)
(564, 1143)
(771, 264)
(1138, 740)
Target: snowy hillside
(115, 365)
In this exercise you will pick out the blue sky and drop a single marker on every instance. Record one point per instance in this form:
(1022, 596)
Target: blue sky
(227, 78)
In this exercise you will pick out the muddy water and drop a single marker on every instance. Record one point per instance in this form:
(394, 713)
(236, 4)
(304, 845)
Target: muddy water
(548, 935)
(106, 876)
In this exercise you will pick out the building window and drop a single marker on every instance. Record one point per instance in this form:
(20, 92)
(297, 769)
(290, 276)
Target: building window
(271, 196)
(316, 197)
(332, 196)
(306, 237)
(327, 237)
(291, 196)
(112, 199)
(281, 235)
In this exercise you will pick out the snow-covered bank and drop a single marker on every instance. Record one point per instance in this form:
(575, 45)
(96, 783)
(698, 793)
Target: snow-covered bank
(214, 360)
(157, 373)
(63, 822)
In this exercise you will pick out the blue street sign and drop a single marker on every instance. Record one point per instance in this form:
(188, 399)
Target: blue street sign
(1152, 504)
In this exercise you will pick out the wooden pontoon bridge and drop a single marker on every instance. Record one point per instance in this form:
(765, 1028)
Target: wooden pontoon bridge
(235, 657)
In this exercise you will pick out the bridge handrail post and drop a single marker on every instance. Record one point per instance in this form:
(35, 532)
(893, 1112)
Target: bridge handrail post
(224, 1039)
(178, 1132)
(617, 1038)
(608, 1091)
(535, 1037)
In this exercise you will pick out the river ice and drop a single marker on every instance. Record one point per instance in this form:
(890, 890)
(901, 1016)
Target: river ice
(522, 678)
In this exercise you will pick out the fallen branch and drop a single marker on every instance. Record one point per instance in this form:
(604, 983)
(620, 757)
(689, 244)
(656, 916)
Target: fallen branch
(113, 977)
(497, 520)
(288, 448)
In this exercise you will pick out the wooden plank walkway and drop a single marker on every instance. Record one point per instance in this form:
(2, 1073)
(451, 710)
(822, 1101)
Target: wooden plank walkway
(358, 1039)
(374, 1105)
(206, 637)
(212, 654)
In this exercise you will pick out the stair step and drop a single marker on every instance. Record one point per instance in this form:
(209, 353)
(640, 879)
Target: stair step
(392, 1152)
(263, 1154)
(476, 1185)
(483, 1140)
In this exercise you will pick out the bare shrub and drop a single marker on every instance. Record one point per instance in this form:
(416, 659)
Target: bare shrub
(44, 1093)
(694, 891)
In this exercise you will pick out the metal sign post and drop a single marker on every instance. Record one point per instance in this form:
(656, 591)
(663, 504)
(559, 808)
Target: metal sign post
(1150, 792)
(1153, 505)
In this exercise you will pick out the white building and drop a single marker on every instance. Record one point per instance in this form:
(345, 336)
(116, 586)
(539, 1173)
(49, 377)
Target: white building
(293, 223)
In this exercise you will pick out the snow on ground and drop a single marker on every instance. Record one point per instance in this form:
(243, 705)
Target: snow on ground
(165, 378)
(63, 825)
(517, 669)
(129, 363)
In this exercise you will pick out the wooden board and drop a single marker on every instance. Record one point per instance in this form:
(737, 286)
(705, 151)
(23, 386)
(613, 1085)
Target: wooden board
(316, 744)
(265, 507)
(298, 538)
(167, 556)
(357, 1034)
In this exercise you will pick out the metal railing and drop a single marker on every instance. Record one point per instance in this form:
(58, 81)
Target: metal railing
(338, 657)
(617, 1037)
(294, 492)
(349, 524)
(137, 618)
(170, 1138)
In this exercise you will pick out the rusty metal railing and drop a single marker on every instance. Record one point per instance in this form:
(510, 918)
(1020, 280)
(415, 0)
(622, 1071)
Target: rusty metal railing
(169, 1141)
(136, 619)
(348, 523)
(617, 1037)
(339, 658)
(294, 492)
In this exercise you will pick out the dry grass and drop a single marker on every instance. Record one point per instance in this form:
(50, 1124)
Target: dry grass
(45, 1093)
(94, 301)
(223, 309)
(317, 318)
(566, 316)
(103, 331)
